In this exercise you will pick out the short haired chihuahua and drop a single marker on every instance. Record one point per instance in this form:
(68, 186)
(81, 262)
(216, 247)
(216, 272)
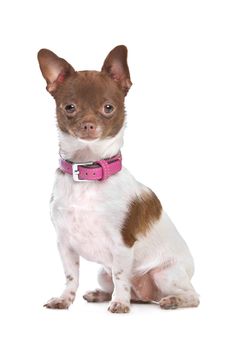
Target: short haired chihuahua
(99, 210)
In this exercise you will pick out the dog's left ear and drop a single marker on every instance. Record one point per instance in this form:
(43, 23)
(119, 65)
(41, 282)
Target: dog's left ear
(115, 65)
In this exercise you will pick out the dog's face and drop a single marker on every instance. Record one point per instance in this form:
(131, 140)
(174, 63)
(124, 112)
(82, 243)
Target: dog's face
(90, 104)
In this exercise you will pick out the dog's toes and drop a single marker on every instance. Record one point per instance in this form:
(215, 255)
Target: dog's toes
(119, 308)
(97, 296)
(170, 302)
(57, 303)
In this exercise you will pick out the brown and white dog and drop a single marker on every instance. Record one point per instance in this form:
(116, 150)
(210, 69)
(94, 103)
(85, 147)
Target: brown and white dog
(117, 222)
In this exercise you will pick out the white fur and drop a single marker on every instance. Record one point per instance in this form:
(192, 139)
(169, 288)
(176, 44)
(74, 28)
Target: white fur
(88, 218)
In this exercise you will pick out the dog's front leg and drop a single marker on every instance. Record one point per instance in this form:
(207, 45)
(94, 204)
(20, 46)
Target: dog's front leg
(70, 261)
(121, 276)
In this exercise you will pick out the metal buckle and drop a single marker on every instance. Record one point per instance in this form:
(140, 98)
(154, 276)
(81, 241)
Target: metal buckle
(75, 170)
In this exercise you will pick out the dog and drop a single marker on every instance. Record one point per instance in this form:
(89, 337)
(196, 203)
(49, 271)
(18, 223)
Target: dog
(100, 212)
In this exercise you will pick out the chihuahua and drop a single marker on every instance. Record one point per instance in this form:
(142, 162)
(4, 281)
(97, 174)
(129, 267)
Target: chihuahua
(100, 212)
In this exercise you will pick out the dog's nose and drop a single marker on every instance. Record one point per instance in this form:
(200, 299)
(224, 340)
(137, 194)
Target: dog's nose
(88, 127)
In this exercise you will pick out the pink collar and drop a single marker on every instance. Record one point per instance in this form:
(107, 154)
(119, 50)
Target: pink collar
(88, 171)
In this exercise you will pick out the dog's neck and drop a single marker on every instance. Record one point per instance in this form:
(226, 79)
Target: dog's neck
(77, 150)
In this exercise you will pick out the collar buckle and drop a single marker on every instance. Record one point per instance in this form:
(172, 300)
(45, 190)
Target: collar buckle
(75, 171)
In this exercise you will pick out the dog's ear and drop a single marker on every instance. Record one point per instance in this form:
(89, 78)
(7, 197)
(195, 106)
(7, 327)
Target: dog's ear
(54, 69)
(115, 65)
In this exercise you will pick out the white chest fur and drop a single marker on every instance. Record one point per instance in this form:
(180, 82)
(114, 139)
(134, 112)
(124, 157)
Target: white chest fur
(88, 215)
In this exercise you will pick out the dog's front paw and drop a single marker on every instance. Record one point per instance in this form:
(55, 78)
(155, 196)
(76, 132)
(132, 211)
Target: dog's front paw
(118, 307)
(58, 303)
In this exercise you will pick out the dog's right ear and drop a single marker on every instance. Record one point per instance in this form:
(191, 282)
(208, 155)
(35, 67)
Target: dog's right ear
(54, 69)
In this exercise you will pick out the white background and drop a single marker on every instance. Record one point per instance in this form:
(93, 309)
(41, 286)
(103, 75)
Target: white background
(178, 142)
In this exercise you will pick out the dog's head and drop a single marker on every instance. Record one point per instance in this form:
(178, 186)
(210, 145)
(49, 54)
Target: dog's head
(90, 104)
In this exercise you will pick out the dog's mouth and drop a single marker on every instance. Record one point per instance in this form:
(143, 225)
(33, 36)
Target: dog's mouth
(89, 136)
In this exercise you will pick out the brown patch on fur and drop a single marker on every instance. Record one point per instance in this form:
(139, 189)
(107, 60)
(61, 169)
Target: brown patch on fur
(117, 274)
(72, 293)
(69, 278)
(143, 212)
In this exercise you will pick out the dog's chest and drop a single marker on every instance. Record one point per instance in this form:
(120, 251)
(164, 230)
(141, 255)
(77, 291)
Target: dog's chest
(87, 217)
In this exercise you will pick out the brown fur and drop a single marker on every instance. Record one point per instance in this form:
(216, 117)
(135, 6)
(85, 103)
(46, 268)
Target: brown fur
(143, 211)
(86, 90)
(89, 92)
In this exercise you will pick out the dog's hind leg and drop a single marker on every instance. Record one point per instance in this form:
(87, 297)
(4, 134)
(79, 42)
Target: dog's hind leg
(175, 287)
(104, 294)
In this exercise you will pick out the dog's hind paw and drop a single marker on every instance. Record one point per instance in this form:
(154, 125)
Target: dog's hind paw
(97, 296)
(170, 302)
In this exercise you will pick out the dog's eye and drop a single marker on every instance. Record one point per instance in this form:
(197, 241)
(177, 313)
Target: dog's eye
(108, 108)
(71, 108)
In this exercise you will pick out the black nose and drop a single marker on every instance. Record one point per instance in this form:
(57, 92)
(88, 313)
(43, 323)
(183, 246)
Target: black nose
(88, 127)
